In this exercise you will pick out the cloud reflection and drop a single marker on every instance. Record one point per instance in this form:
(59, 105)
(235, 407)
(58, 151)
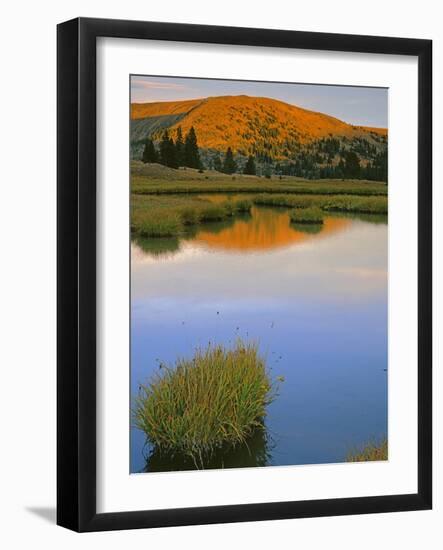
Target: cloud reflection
(346, 264)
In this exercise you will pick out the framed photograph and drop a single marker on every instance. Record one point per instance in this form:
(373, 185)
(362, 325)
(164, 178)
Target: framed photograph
(244, 274)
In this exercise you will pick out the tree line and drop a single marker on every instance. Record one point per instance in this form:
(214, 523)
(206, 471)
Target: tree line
(181, 152)
(349, 166)
(185, 152)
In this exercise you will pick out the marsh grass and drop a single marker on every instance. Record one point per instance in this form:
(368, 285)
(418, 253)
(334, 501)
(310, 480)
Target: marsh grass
(166, 217)
(311, 215)
(230, 208)
(286, 201)
(243, 206)
(215, 400)
(159, 224)
(334, 203)
(213, 213)
(163, 216)
(363, 205)
(190, 215)
(373, 451)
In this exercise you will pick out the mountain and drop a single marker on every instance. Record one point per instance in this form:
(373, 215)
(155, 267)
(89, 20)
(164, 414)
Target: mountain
(270, 130)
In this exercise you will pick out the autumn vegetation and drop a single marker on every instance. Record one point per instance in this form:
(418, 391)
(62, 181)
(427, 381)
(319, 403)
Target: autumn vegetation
(257, 135)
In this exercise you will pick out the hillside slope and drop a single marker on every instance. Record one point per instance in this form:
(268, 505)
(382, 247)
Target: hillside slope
(249, 125)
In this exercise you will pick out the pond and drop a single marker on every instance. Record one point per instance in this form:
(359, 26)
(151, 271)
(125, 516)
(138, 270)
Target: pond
(314, 298)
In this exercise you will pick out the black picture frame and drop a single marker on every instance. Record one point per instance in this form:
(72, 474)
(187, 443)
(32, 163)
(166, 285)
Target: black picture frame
(76, 278)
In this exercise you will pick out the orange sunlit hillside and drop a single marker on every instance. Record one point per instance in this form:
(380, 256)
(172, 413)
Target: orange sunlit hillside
(161, 108)
(248, 124)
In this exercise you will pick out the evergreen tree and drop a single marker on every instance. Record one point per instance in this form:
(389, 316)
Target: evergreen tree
(250, 166)
(165, 149)
(149, 152)
(340, 169)
(381, 166)
(172, 154)
(229, 165)
(352, 165)
(168, 155)
(217, 163)
(192, 156)
(180, 148)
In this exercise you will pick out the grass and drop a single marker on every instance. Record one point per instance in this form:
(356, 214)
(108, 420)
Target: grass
(244, 205)
(167, 215)
(190, 215)
(371, 451)
(215, 400)
(159, 224)
(362, 205)
(286, 201)
(173, 216)
(213, 213)
(306, 215)
(148, 186)
(157, 179)
(162, 216)
(336, 203)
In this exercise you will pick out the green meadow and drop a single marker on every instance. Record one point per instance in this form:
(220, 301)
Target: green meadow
(157, 179)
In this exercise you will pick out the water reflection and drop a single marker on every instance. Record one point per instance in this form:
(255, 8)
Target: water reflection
(255, 452)
(265, 228)
(315, 298)
(268, 228)
(159, 246)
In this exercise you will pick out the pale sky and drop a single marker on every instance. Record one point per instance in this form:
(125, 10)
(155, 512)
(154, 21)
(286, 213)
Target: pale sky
(352, 104)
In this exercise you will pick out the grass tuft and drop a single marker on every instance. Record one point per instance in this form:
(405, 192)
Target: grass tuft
(159, 224)
(363, 205)
(216, 399)
(213, 213)
(312, 214)
(371, 451)
(334, 203)
(243, 205)
(230, 208)
(190, 215)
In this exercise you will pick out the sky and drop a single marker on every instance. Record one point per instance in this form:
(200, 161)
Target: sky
(352, 104)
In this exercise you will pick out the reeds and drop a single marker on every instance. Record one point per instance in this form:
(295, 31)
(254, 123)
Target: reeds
(371, 452)
(158, 224)
(306, 215)
(173, 216)
(335, 203)
(216, 399)
(362, 205)
(213, 213)
(243, 205)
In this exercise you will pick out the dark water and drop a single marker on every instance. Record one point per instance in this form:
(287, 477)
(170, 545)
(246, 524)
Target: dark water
(314, 298)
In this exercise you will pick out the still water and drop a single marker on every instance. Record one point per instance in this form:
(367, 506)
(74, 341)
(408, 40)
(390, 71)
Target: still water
(315, 300)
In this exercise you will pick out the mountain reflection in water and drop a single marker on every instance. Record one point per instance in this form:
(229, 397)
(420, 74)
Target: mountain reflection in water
(265, 229)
